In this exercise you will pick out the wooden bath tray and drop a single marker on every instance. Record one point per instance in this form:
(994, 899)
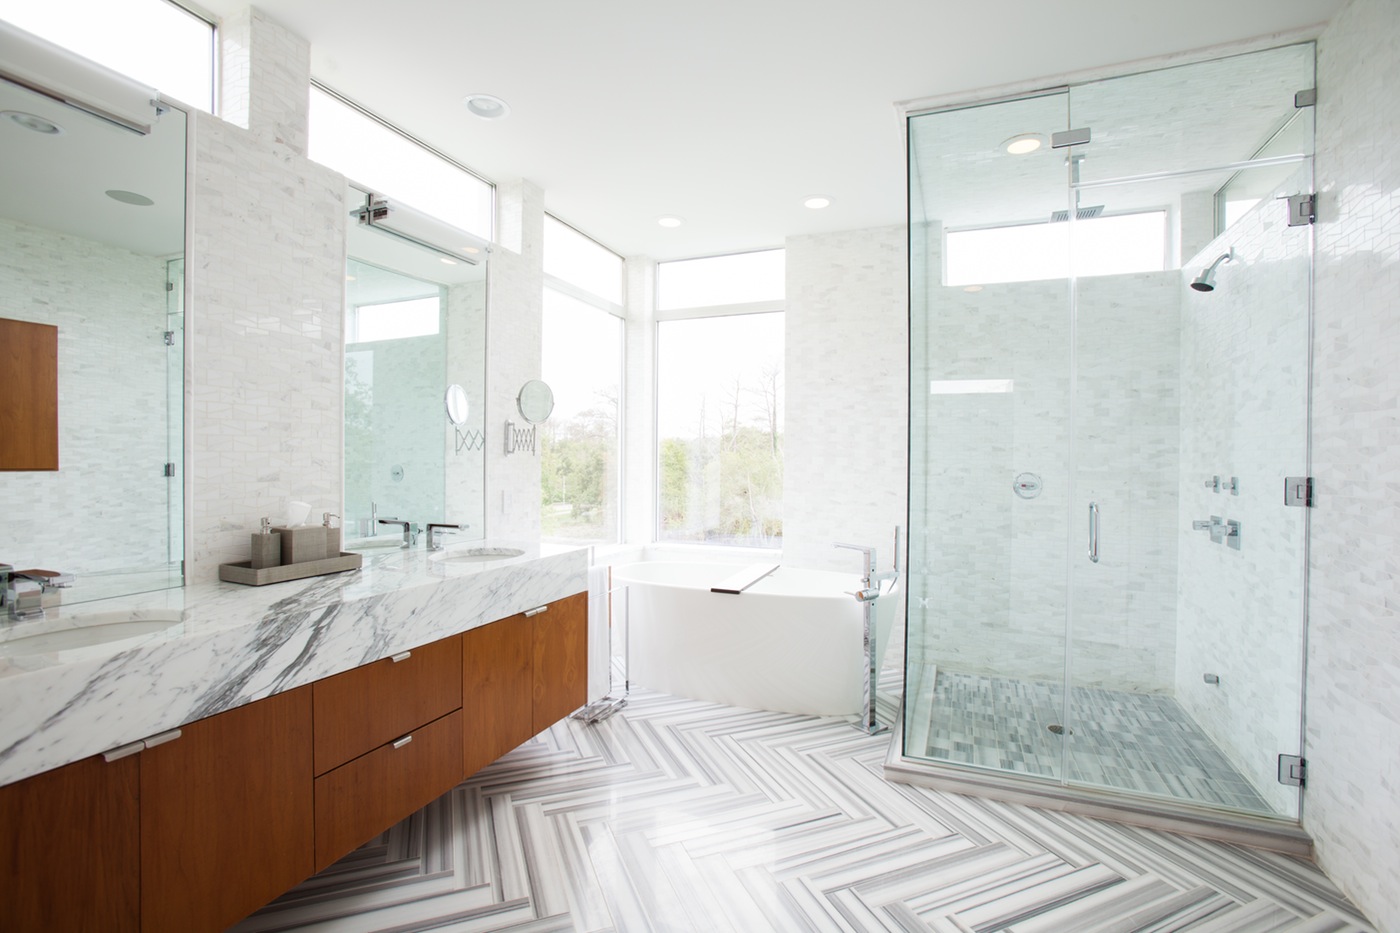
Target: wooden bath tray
(243, 572)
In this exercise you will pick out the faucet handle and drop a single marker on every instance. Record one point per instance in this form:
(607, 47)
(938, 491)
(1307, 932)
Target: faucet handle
(436, 527)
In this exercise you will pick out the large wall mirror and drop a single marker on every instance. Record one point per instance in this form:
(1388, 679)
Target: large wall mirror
(415, 325)
(92, 236)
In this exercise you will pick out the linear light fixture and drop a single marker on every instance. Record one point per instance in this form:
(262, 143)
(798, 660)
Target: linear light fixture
(969, 386)
(58, 74)
(422, 230)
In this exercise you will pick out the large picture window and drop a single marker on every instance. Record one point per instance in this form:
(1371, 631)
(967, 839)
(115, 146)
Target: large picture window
(580, 444)
(720, 429)
(1110, 245)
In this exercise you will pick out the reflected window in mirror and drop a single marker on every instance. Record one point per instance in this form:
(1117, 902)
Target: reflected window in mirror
(580, 442)
(156, 42)
(106, 268)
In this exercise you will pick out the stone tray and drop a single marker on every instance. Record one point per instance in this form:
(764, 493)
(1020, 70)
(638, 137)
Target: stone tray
(243, 572)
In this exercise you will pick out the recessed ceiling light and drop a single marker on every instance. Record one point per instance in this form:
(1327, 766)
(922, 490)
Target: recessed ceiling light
(470, 249)
(667, 220)
(447, 262)
(129, 197)
(349, 278)
(973, 288)
(33, 122)
(1024, 143)
(816, 201)
(487, 106)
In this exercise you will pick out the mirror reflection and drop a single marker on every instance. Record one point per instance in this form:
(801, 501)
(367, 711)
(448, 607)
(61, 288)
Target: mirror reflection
(414, 326)
(91, 242)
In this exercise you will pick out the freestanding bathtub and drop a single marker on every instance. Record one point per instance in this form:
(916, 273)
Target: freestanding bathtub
(792, 642)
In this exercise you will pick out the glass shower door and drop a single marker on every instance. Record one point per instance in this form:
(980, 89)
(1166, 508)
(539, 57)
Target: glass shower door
(1190, 385)
(989, 485)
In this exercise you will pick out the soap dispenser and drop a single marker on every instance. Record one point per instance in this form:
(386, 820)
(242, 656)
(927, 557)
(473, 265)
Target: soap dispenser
(267, 547)
(332, 533)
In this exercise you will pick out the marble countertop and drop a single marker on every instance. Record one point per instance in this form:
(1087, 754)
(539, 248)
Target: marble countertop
(231, 644)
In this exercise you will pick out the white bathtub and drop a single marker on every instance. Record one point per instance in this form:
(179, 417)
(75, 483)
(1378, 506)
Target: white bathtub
(790, 643)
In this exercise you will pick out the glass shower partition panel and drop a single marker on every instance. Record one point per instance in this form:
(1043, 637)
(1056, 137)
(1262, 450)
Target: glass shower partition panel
(989, 485)
(1191, 407)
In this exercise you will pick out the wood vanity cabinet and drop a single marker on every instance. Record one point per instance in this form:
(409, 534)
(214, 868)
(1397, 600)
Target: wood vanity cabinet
(561, 660)
(521, 675)
(361, 709)
(497, 689)
(226, 815)
(70, 848)
(388, 742)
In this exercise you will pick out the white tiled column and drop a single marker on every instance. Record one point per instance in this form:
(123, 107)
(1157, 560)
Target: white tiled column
(845, 438)
(265, 78)
(514, 317)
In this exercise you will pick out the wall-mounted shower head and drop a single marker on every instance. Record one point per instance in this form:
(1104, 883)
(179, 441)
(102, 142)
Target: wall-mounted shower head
(1205, 282)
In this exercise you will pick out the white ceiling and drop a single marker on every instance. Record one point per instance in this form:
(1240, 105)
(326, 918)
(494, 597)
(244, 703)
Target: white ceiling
(725, 113)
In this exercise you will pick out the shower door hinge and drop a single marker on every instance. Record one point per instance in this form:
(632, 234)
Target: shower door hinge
(169, 470)
(1064, 138)
(170, 286)
(1292, 770)
(1298, 490)
(170, 338)
(1302, 209)
(1307, 98)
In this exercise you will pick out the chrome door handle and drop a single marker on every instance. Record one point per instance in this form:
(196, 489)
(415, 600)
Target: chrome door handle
(1094, 532)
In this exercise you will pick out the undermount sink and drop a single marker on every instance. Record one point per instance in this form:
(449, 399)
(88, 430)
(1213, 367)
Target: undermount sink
(478, 554)
(96, 629)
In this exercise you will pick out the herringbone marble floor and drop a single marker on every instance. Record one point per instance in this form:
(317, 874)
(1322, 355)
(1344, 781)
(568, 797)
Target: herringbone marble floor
(679, 815)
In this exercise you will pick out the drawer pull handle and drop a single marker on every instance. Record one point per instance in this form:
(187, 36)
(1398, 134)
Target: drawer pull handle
(403, 741)
(123, 751)
(161, 739)
(401, 656)
(530, 613)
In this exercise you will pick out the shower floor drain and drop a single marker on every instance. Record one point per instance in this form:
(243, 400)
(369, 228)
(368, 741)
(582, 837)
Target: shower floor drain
(1058, 729)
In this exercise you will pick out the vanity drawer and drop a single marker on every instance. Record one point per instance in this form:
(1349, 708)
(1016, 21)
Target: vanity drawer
(357, 801)
(360, 710)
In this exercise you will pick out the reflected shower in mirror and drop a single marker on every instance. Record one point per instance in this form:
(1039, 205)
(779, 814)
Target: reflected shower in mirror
(92, 235)
(415, 346)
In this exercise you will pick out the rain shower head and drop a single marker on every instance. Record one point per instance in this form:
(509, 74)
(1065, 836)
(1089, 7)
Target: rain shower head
(1205, 282)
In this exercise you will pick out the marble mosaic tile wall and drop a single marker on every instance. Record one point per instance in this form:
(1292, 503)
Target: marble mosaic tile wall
(268, 279)
(109, 306)
(265, 72)
(846, 390)
(514, 328)
(992, 564)
(1352, 808)
(1244, 413)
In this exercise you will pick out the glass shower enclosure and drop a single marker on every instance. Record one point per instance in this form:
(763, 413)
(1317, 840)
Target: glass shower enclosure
(1110, 306)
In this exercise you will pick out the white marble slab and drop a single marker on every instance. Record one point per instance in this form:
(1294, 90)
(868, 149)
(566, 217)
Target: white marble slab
(235, 644)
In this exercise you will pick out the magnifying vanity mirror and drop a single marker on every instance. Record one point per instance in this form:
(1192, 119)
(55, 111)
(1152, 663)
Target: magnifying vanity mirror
(535, 401)
(455, 400)
(415, 347)
(92, 238)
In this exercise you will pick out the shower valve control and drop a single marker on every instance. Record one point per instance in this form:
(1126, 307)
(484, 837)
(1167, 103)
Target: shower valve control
(1027, 485)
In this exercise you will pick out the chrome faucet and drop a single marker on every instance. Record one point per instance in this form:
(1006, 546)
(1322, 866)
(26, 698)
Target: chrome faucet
(870, 579)
(410, 531)
(22, 593)
(433, 543)
(373, 520)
